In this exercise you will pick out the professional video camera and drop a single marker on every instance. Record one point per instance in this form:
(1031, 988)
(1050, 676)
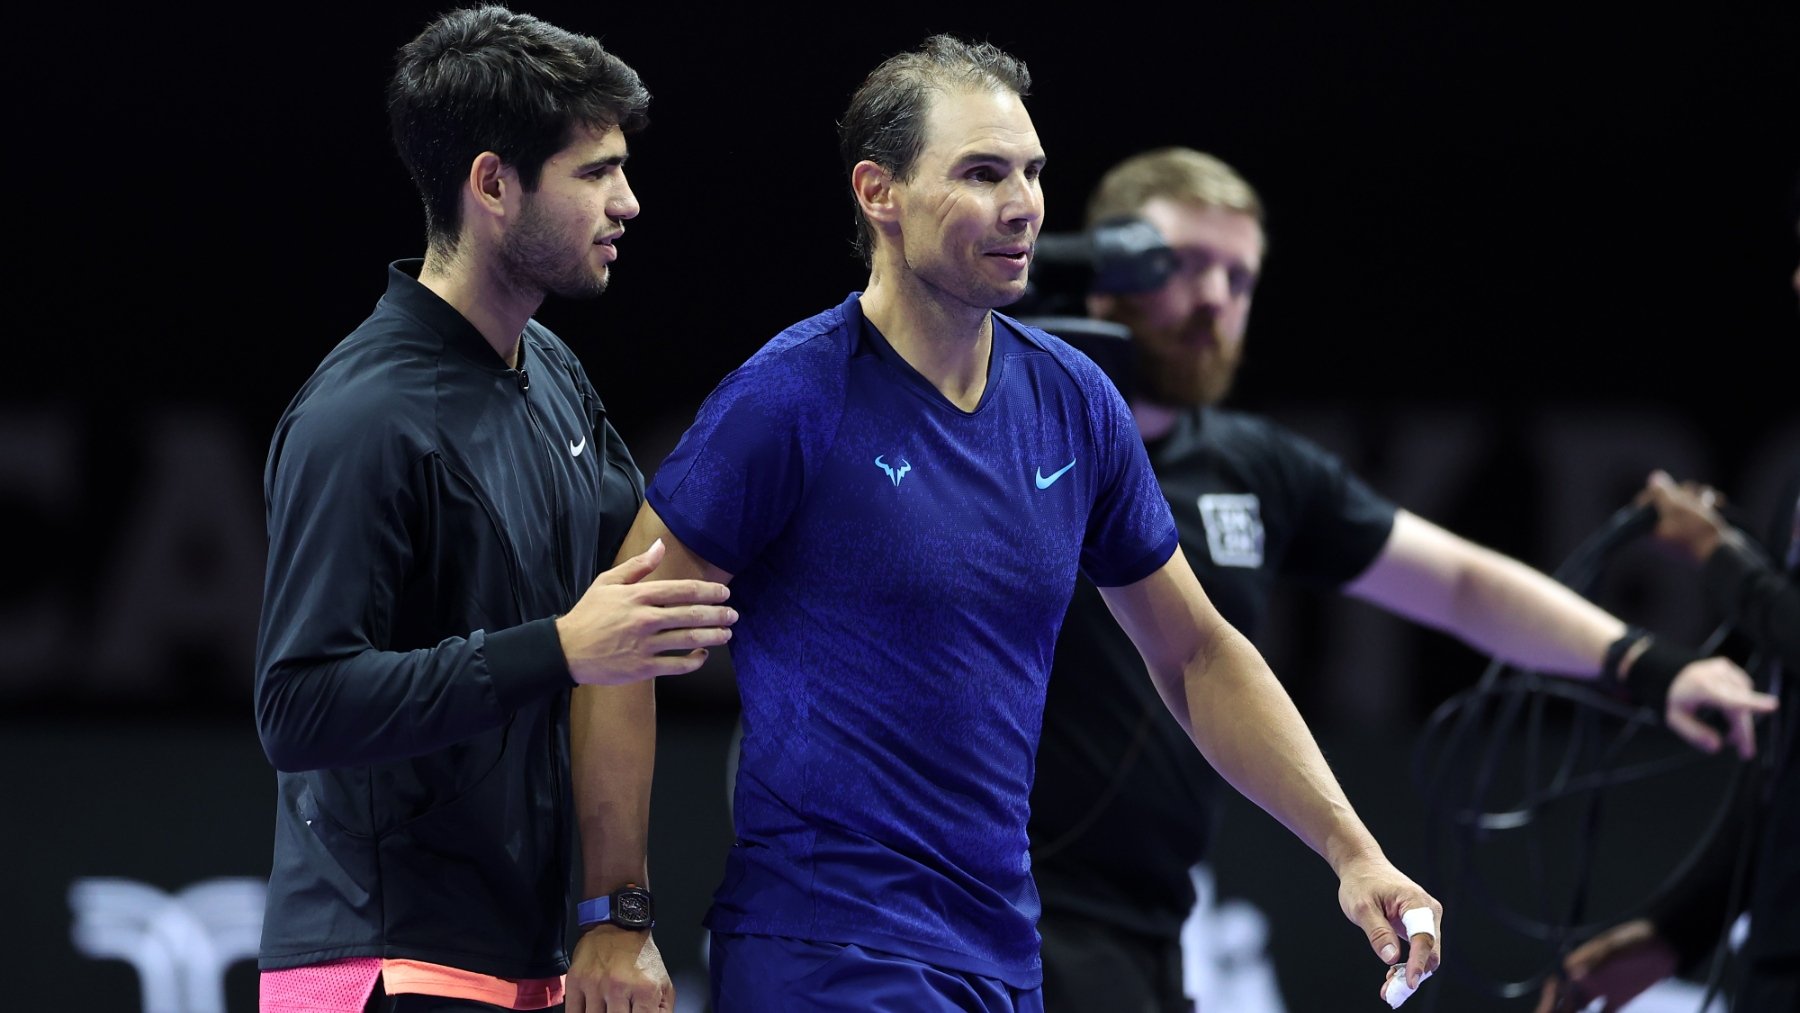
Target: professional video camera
(1119, 256)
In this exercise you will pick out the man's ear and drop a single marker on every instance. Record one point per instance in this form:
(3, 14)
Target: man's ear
(490, 192)
(874, 189)
(1101, 306)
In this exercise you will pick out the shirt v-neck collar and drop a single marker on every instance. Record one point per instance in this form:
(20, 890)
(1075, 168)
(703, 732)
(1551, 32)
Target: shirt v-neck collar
(1004, 341)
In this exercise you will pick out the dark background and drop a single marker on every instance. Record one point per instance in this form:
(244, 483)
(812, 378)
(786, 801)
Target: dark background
(1517, 258)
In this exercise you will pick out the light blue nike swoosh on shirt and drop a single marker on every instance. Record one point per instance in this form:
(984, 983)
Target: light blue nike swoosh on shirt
(1045, 483)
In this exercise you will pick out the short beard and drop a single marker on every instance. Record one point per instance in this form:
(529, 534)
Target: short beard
(1182, 379)
(533, 257)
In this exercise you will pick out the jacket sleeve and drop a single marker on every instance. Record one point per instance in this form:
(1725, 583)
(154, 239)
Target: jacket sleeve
(343, 492)
(1759, 601)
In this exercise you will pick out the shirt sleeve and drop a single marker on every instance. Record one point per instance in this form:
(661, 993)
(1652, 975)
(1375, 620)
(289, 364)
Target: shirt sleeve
(1130, 532)
(736, 476)
(343, 500)
(1340, 523)
(1757, 599)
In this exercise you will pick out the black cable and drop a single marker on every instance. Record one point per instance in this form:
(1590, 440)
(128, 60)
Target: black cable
(1715, 977)
(1504, 708)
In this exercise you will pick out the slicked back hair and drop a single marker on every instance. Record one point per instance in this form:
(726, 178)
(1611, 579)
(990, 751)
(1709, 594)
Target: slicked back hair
(488, 79)
(885, 123)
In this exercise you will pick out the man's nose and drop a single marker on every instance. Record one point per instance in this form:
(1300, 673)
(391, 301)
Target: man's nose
(1212, 287)
(624, 203)
(1024, 203)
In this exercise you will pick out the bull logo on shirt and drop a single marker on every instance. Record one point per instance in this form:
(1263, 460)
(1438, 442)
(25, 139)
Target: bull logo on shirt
(895, 473)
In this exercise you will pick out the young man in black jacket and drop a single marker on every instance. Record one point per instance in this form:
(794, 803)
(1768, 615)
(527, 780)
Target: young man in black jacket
(441, 496)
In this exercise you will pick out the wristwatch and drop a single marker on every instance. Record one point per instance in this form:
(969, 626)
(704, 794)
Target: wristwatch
(628, 907)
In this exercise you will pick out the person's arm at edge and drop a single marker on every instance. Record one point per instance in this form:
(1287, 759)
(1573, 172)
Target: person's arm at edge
(612, 760)
(1763, 605)
(1223, 693)
(1522, 615)
(1735, 577)
(1675, 934)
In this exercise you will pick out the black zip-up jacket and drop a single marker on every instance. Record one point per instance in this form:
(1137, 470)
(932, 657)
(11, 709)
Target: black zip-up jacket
(430, 512)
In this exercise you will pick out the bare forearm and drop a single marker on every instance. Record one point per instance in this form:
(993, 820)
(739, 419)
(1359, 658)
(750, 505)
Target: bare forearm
(613, 747)
(1490, 601)
(613, 738)
(1223, 693)
(1248, 728)
(1515, 612)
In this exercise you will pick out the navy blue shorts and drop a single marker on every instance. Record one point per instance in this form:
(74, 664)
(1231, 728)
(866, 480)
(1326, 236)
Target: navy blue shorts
(759, 974)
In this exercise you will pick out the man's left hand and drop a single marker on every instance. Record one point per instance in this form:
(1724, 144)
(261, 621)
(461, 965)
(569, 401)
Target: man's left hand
(617, 970)
(1716, 684)
(1375, 896)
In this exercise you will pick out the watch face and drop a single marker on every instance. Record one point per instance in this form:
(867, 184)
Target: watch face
(631, 908)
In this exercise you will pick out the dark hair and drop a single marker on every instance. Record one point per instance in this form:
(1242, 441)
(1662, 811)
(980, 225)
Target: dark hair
(885, 123)
(487, 79)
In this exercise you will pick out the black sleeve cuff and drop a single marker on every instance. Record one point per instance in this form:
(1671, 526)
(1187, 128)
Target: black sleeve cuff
(526, 662)
(1724, 575)
(1760, 601)
(1654, 672)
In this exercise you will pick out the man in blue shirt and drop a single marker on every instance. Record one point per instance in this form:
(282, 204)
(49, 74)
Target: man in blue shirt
(902, 490)
(1257, 506)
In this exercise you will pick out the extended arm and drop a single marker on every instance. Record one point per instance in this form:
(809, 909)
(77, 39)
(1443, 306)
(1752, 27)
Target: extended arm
(1738, 581)
(345, 505)
(1490, 601)
(1222, 692)
(613, 744)
(1507, 609)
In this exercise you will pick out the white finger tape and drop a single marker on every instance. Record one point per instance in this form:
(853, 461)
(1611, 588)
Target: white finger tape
(1417, 920)
(1395, 991)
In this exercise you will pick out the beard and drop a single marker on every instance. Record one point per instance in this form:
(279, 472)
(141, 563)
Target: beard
(535, 256)
(1171, 371)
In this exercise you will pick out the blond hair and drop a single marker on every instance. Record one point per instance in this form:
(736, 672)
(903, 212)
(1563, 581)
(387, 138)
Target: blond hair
(1178, 174)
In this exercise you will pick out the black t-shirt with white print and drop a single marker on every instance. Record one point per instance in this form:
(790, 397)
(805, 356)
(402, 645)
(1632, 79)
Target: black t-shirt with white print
(1123, 803)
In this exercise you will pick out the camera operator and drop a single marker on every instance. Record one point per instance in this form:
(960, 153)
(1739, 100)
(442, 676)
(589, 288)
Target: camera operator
(1254, 504)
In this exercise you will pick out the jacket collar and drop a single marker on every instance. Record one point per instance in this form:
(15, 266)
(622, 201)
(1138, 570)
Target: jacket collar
(407, 294)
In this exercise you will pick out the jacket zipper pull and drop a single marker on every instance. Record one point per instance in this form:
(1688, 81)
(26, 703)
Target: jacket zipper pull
(524, 380)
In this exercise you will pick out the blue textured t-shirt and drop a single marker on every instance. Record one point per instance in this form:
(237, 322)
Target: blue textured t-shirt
(901, 567)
